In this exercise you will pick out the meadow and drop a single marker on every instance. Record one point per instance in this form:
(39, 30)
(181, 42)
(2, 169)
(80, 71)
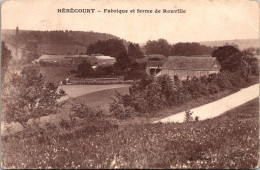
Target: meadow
(228, 141)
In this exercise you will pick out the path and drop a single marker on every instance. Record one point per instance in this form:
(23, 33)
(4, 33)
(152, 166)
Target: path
(218, 107)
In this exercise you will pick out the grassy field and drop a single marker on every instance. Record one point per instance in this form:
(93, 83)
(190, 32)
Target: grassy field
(103, 98)
(228, 141)
(97, 99)
(74, 91)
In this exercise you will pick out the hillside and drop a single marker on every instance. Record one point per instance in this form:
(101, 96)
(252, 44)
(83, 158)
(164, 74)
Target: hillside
(55, 42)
(241, 43)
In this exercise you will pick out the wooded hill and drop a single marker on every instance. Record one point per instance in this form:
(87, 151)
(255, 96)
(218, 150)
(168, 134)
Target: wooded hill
(56, 42)
(241, 43)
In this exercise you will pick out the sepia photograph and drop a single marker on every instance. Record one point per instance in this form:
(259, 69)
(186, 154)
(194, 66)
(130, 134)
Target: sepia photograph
(130, 84)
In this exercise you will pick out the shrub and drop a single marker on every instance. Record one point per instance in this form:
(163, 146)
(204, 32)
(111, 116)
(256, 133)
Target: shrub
(151, 94)
(136, 75)
(28, 97)
(213, 88)
(92, 119)
(188, 116)
(120, 109)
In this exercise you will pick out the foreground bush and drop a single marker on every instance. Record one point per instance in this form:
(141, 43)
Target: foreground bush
(152, 94)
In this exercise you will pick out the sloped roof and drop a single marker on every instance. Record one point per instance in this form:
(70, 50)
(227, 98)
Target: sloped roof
(59, 57)
(155, 63)
(104, 57)
(155, 56)
(191, 63)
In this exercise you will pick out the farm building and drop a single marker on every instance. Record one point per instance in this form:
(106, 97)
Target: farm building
(183, 66)
(104, 60)
(72, 60)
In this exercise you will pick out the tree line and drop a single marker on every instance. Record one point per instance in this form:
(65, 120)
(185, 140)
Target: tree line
(161, 46)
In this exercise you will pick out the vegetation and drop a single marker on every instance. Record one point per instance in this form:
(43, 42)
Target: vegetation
(150, 95)
(58, 37)
(134, 51)
(6, 56)
(30, 53)
(85, 69)
(111, 47)
(161, 46)
(27, 97)
(228, 141)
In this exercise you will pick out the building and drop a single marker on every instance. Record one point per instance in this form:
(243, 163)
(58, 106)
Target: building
(102, 60)
(154, 63)
(183, 66)
(74, 60)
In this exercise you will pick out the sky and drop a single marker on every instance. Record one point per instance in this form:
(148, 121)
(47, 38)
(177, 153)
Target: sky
(204, 20)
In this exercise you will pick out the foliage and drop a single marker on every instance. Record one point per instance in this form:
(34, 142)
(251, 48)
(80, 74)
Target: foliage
(85, 69)
(224, 54)
(188, 49)
(81, 110)
(229, 141)
(63, 37)
(118, 109)
(161, 46)
(6, 56)
(188, 116)
(233, 60)
(28, 97)
(111, 47)
(152, 94)
(30, 53)
(122, 62)
(135, 75)
(134, 51)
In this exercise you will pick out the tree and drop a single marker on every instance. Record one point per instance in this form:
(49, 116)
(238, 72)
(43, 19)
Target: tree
(123, 61)
(111, 47)
(134, 51)
(234, 60)
(30, 52)
(228, 57)
(188, 49)
(160, 46)
(85, 69)
(6, 56)
(28, 97)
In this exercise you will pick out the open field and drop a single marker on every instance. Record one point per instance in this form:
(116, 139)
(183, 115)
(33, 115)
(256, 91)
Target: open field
(74, 91)
(103, 98)
(93, 95)
(228, 141)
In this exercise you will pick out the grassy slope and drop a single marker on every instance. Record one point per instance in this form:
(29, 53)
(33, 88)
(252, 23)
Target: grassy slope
(228, 141)
(103, 98)
(100, 99)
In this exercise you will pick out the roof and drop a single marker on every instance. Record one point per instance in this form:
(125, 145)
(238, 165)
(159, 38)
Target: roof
(105, 57)
(191, 63)
(155, 56)
(59, 57)
(155, 63)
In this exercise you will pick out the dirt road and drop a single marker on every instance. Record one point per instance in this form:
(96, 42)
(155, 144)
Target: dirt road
(218, 107)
